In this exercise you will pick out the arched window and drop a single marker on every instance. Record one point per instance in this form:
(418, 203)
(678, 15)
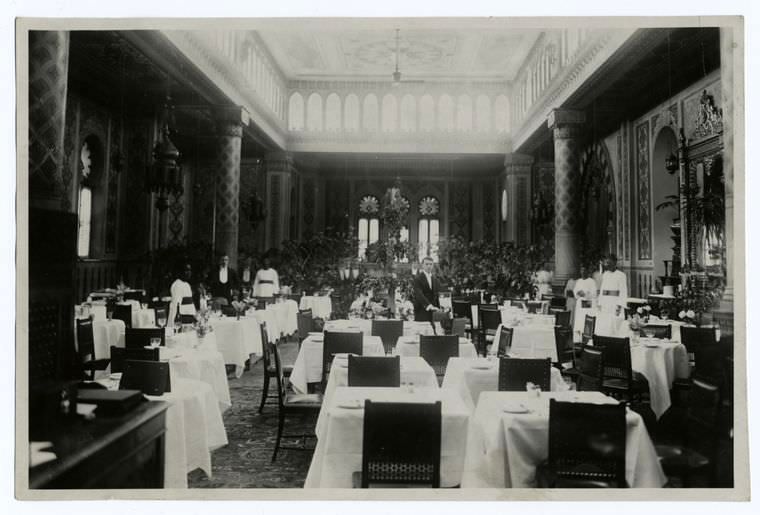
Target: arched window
(332, 113)
(428, 228)
(408, 114)
(464, 113)
(369, 223)
(295, 112)
(351, 113)
(87, 172)
(445, 113)
(314, 112)
(390, 113)
(370, 114)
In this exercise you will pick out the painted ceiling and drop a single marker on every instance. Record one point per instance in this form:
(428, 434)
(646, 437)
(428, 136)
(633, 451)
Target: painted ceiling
(351, 50)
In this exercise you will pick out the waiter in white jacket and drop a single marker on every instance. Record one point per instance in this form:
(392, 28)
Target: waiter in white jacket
(613, 296)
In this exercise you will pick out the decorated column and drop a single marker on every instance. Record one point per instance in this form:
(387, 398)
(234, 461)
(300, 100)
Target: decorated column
(280, 171)
(566, 126)
(227, 186)
(48, 79)
(517, 201)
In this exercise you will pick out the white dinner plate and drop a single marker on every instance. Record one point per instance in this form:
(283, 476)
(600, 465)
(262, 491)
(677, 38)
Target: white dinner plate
(515, 408)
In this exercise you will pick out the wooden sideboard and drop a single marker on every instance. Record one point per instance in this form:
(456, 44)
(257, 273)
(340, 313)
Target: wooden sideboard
(107, 452)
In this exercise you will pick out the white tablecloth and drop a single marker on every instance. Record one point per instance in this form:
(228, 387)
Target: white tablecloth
(237, 340)
(286, 314)
(411, 328)
(531, 341)
(410, 346)
(339, 431)
(202, 364)
(107, 333)
(414, 371)
(503, 449)
(321, 307)
(469, 377)
(308, 365)
(511, 317)
(660, 362)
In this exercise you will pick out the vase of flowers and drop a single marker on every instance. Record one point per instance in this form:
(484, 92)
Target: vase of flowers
(202, 325)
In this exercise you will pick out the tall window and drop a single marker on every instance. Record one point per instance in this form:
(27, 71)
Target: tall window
(85, 203)
(427, 235)
(369, 223)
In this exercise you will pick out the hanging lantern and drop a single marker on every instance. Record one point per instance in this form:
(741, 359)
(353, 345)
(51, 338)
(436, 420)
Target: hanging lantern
(165, 175)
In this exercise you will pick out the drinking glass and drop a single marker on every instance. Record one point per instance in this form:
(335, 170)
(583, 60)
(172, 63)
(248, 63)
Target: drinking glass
(155, 342)
(161, 321)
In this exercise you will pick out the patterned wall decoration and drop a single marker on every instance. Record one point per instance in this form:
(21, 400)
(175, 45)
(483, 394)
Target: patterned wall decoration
(694, 110)
(522, 210)
(490, 214)
(48, 80)
(68, 202)
(619, 197)
(251, 171)
(643, 200)
(459, 210)
(626, 172)
(112, 198)
(598, 207)
(176, 210)
(228, 189)
(134, 212)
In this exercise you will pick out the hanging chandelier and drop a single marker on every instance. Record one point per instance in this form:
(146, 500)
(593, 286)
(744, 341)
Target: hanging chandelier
(165, 175)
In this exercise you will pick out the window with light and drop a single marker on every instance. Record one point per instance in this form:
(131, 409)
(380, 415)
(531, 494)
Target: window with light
(428, 230)
(369, 223)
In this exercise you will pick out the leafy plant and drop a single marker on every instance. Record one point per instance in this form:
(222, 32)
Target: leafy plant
(313, 264)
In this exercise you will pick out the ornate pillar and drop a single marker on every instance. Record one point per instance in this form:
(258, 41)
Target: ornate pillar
(279, 182)
(227, 187)
(566, 126)
(729, 54)
(48, 81)
(517, 170)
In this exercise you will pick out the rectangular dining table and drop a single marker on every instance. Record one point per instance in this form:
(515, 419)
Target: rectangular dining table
(338, 453)
(508, 438)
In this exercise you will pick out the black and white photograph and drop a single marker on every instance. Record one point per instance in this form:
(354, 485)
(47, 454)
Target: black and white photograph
(474, 257)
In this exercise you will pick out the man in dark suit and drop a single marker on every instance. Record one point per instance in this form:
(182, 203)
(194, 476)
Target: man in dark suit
(223, 280)
(426, 288)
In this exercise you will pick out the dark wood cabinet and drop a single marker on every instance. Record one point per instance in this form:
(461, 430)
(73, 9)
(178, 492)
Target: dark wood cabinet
(108, 452)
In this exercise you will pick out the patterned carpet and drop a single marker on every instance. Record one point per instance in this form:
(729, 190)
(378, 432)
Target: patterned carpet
(246, 461)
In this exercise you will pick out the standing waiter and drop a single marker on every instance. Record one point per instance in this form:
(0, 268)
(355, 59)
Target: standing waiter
(426, 288)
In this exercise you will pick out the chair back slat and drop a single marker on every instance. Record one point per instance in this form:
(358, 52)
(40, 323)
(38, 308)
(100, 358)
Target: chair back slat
(374, 371)
(515, 373)
(401, 443)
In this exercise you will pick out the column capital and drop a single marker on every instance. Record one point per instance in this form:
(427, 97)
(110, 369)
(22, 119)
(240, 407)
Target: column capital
(561, 118)
(231, 119)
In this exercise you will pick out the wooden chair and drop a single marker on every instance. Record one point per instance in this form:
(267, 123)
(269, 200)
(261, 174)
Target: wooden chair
(619, 378)
(459, 327)
(462, 309)
(563, 341)
(489, 318)
(305, 321)
(589, 326)
(441, 322)
(586, 446)
(504, 341)
(515, 373)
(118, 356)
(401, 445)
(337, 343)
(389, 332)
(291, 404)
(535, 306)
(123, 312)
(563, 319)
(86, 349)
(697, 452)
(139, 338)
(162, 315)
(374, 371)
(436, 351)
(270, 370)
(517, 303)
(150, 377)
(590, 376)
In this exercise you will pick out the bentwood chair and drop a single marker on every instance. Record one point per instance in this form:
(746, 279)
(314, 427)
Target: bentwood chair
(586, 446)
(436, 351)
(401, 445)
(389, 332)
(269, 366)
(515, 373)
(86, 349)
(337, 343)
(291, 405)
(619, 378)
(374, 371)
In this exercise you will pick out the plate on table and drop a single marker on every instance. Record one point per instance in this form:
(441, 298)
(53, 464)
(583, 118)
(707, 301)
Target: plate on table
(651, 345)
(351, 404)
(515, 408)
(481, 366)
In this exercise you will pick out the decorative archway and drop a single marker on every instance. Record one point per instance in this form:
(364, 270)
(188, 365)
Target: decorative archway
(598, 206)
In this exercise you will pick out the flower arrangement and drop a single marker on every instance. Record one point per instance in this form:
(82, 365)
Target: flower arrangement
(690, 316)
(202, 326)
(640, 317)
(404, 310)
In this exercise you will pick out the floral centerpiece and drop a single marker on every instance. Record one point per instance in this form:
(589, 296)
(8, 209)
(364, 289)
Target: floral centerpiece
(640, 317)
(202, 325)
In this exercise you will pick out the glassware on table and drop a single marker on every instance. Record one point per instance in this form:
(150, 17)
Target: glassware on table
(161, 322)
(533, 389)
(571, 386)
(155, 342)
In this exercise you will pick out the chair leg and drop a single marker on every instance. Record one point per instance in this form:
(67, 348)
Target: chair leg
(264, 392)
(280, 425)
